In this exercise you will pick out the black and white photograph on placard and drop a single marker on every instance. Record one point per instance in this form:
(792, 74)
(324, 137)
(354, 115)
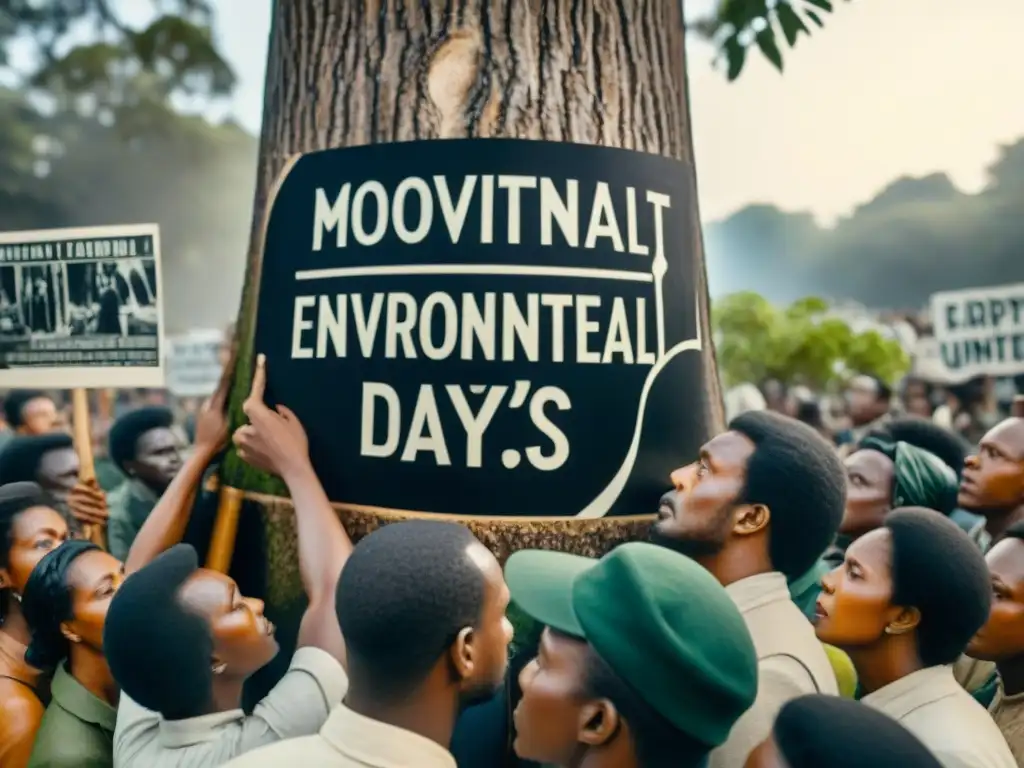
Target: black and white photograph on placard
(81, 308)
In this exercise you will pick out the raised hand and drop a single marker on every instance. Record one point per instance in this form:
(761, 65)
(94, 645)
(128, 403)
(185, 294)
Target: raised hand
(274, 440)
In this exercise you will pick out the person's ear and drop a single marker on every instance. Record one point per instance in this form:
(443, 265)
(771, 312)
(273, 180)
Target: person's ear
(69, 634)
(906, 619)
(462, 654)
(5, 579)
(751, 519)
(598, 723)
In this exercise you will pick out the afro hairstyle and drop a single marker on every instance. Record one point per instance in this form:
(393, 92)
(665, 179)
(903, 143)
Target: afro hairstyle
(405, 593)
(937, 569)
(21, 457)
(47, 603)
(159, 652)
(126, 431)
(818, 730)
(15, 402)
(798, 476)
(950, 447)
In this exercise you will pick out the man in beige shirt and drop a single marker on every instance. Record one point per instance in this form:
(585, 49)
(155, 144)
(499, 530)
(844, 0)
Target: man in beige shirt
(421, 605)
(759, 507)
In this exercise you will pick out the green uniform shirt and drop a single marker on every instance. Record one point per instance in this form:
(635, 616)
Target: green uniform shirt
(129, 505)
(77, 730)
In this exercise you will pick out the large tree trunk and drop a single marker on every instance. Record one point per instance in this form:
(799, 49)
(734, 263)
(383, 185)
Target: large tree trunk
(354, 72)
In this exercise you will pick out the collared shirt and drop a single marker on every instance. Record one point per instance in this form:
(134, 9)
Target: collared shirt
(21, 706)
(297, 706)
(934, 707)
(129, 505)
(790, 662)
(350, 740)
(77, 729)
(1008, 714)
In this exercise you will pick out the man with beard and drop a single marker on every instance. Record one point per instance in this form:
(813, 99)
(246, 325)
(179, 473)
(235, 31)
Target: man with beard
(759, 506)
(146, 450)
(421, 605)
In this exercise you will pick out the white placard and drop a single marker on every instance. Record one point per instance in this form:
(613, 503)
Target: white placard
(980, 331)
(81, 307)
(193, 363)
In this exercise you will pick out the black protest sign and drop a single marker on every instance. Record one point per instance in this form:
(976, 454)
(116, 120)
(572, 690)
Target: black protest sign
(487, 327)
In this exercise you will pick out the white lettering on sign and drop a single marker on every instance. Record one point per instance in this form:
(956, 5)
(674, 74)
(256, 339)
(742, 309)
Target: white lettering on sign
(525, 327)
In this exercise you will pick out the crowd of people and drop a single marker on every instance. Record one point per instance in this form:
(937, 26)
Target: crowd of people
(804, 599)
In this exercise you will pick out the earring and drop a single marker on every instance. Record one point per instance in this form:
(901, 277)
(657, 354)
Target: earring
(890, 631)
(16, 595)
(218, 669)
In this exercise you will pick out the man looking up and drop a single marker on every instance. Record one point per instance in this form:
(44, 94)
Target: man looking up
(992, 484)
(421, 605)
(760, 505)
(146, 450)
(181, 640)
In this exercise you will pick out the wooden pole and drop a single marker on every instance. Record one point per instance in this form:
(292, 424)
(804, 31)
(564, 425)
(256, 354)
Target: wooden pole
(83, 447)
(225, 529)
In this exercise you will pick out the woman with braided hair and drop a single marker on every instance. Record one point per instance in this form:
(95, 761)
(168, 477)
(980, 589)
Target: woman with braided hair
(65, 602)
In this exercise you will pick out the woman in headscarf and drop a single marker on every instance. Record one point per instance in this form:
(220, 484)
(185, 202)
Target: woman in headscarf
(904, 604)
(29, 528)
(65, 602)
(881, 476)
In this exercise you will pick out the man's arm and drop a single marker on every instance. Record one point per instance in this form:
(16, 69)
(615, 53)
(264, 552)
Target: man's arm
(276, 442)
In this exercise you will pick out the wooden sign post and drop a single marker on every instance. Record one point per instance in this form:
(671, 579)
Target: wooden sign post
(82, 433)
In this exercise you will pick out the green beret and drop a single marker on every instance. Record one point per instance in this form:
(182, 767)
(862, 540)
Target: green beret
(658, 619)
(920, 478)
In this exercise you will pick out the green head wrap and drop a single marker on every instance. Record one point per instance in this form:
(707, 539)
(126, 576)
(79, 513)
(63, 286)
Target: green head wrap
(920, 478)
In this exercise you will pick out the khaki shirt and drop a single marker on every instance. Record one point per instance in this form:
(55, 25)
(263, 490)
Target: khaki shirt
(790, 662)
(1008, 714)
(349, 740)
(297, 706)
(77, 730)
(955, 728)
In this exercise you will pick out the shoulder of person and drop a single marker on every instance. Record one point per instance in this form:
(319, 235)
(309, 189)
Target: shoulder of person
(21, 710)
(299, 704)
(311, 749)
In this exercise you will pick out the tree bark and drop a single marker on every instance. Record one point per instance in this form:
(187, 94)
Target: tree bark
(353, 72)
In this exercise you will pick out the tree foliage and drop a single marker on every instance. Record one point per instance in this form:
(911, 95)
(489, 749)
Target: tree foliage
(800, 343)
(741, 25)
(916, 237)
(94, 133)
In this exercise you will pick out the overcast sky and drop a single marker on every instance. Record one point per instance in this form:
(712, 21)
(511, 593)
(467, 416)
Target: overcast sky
(887, 89)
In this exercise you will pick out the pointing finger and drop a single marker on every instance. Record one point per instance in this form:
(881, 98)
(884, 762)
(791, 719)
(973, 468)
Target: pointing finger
(259, 379)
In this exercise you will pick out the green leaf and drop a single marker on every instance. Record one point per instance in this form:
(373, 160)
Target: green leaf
(792, 25)
(766, 42)
(735, 55)
(814, 17)
(825, 5)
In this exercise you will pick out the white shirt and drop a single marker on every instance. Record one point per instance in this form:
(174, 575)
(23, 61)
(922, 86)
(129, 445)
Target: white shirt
(350, 740)
(297, 706)
(790, 662)
(933, 706)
